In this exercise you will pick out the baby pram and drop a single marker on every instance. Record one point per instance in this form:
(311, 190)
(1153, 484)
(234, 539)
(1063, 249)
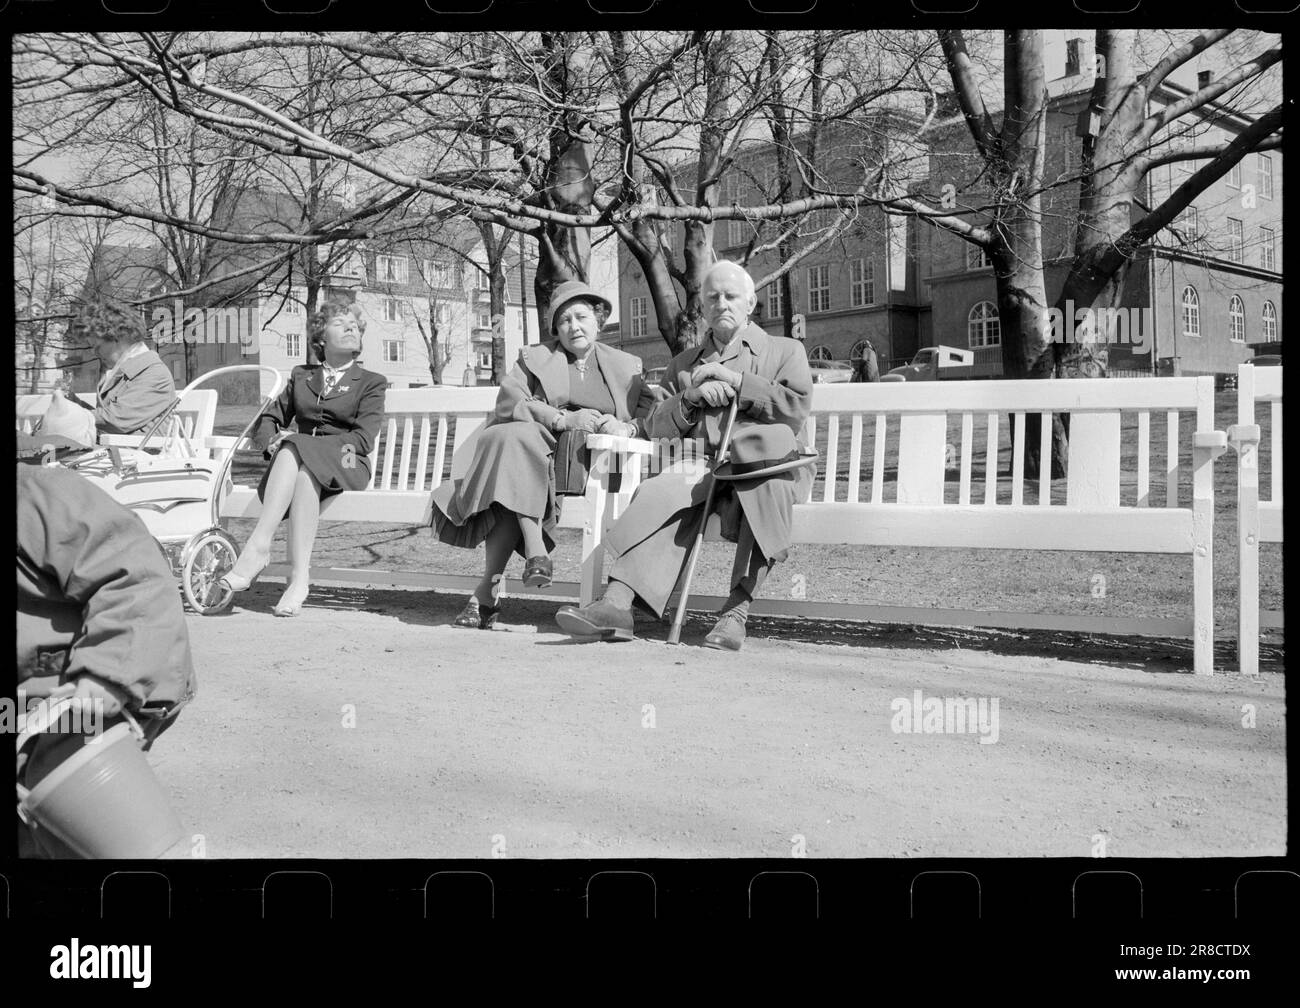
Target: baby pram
(177, 489)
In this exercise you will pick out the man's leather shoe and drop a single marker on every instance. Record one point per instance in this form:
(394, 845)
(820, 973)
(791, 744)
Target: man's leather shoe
(600, 619)
(728, 634)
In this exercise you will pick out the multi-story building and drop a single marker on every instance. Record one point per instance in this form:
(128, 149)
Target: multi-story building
(1203, 297)
(1200, 296)
(863, 284)
(422, 292)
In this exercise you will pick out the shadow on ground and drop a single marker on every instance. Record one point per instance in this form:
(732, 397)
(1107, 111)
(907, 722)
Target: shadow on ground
(522, 615)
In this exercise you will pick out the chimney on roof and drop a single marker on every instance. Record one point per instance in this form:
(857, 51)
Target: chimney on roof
(1203, 78)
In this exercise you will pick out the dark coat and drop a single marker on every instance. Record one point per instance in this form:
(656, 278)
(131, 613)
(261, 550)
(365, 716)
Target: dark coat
(336, 432)
(95, 595)
(776, 388)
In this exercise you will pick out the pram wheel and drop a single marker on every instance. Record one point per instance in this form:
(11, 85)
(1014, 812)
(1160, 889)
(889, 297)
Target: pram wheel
(209, 556)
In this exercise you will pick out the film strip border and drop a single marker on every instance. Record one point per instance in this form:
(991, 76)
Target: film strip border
(344, 13)
(1218, 891)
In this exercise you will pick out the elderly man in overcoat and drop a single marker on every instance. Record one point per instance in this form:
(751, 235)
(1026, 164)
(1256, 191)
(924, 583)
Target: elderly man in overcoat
(769, 375)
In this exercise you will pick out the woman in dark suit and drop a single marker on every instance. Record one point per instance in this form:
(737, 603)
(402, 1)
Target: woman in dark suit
(338, 406)
(534, 445)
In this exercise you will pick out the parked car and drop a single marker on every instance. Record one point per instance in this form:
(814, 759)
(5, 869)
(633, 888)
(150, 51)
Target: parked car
(1266, 360)
(930, 363)
(826, 371)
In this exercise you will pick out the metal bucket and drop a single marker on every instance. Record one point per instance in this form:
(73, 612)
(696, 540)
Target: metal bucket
(104, 800)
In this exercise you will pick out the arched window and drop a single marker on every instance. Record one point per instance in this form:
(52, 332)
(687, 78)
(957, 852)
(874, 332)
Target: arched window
(1269, 319)
(1236, 320)
(983, 329)
(1191, 312)
(820, 352)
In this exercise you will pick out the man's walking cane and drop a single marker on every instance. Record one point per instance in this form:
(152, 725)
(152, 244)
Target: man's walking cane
(675, 634)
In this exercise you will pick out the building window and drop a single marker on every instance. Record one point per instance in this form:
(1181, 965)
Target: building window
(443, 315)
(977, 257)
(293, 345)
(819, 288)
(392, 310)
(1236, 250)
(1189, 224)
(1072, 56)
(1267, 248)
(1269, 320)
(862, 282)
(390, 269)
(774, 299)
(1234, 176)
(482, 281)
(1265, 176)
(394, 351)
(484, 357)
(293, 302)
(438, 272)
(820, 352)
(1191, 312)
(1236, 320)
(638, 314)
(983, 327)
(485, 319)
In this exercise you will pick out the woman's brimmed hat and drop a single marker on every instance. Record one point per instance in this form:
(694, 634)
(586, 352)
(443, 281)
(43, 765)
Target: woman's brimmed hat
(568, 291)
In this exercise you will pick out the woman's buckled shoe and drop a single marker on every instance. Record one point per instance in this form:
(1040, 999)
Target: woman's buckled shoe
(537, 572)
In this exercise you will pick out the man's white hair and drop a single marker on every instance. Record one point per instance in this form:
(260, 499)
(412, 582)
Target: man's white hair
(726, 265)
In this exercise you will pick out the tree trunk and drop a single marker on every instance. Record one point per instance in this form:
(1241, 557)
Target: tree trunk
(564, 253)
(697, 248)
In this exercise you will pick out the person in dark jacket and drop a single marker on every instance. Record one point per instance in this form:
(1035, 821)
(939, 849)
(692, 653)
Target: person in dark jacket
(533, 447)
(337, 407)
(866, 368)
(99, 617)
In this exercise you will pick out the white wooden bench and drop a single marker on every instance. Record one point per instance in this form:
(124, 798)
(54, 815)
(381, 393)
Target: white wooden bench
(929, 427)
(1257, 520)
(195, 418)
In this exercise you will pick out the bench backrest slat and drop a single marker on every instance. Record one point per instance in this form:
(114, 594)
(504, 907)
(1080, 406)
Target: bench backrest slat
(1018, 459)
(855, 458)
(967, 446)
(830, 467)
(1092, 477)
(922, 451)
(421, 454)
(1171, 460)
(1144, 459)
(440, 450)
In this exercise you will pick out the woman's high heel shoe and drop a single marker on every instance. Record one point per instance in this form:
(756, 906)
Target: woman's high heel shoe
(476, 616)
(237, 584)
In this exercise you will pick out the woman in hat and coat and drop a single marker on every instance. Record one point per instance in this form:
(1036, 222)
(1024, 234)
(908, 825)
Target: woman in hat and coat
(337, 407)
(533, 447)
